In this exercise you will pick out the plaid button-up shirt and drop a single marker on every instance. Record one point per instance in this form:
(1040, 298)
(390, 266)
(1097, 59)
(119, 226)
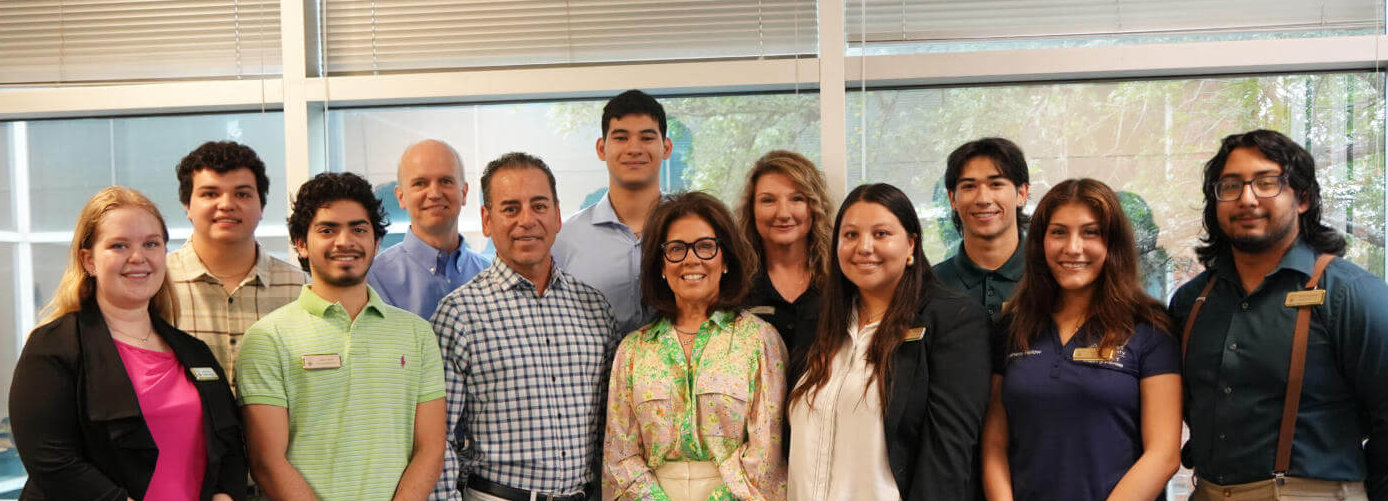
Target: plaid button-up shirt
(526, 376)
(209, 313)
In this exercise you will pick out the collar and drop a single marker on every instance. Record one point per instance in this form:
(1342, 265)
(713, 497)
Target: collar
(721, 320)
(971, 274)
(425, 255)
(319, 307)
(604, 212)
(1300, 258)
(191, 267)
(508, 278)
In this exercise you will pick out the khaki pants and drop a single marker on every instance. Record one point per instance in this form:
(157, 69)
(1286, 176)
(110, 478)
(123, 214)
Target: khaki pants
(1292, 489)
(688, 480)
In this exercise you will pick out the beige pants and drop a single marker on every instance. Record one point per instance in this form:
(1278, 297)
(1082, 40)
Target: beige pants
(1293, 489)
(688, 480)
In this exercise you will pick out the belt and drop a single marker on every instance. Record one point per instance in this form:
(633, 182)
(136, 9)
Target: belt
(513, 494)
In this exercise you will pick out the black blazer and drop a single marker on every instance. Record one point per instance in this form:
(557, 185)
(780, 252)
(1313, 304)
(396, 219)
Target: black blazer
(937, 394)
(77, 423)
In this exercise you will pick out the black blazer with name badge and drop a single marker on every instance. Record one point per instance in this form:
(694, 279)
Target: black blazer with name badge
(936, 398)
(77, 423)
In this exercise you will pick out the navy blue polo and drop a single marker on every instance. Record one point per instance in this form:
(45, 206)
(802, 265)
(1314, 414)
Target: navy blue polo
(1075, 427)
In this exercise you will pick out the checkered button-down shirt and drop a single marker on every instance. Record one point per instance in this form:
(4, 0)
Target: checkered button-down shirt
(526, 376)
(209, 313)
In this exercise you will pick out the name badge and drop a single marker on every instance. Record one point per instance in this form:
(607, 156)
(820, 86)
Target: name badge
(914, 334)
(1088, 355)
(204, 374)
(1315, 297)
(323, 361)
(762, 310)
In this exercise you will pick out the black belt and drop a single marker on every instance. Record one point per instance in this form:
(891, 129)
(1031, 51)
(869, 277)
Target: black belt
(480, 484)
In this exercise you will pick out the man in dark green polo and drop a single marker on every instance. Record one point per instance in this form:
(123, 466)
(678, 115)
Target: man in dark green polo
(988, 182)
(1264, 236)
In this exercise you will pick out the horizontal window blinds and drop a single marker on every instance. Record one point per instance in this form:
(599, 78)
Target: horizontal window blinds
(58, 41)
(945, 20)
(363, 36)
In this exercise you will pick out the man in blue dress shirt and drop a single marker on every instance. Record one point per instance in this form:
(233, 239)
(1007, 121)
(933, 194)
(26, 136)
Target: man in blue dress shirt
(601, 245)
(433, 259)
(1264, 234)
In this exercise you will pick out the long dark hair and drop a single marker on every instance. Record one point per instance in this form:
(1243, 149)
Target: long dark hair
(1119, 301)
(1300, 169)
(841, 295)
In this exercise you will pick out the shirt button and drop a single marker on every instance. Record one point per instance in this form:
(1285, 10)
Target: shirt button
(1221, 436)
(1233, 346)
(1228, 390)
(990, 292)
(1244, 306)
(231, 300)
(431, 270)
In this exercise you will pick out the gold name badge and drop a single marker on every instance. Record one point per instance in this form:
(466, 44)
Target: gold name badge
(1088, 355)
(322, 361)
(204, 373)
(1315, 297)
(762, 310)
(914, 334)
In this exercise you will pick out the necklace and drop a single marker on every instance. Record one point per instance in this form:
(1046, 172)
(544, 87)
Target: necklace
(142, 340)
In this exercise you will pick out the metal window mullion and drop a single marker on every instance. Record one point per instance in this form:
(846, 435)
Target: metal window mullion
(24, 255)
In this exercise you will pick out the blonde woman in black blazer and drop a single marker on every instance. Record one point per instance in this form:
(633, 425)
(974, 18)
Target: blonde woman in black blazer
(75, 413)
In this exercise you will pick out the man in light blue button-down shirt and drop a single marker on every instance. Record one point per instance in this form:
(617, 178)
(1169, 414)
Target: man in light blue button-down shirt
(601, 245)
(433, 259)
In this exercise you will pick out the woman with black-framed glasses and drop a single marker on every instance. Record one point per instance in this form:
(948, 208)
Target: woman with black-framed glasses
(694, 409)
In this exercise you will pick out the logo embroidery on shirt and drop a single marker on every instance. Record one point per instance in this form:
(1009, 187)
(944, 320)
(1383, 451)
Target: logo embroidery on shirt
(402, 360)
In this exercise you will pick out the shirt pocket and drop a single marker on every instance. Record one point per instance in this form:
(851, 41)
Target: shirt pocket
(723, 403)
(655, 410)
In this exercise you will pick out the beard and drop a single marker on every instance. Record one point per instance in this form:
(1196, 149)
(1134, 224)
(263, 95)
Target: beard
(1277, 232)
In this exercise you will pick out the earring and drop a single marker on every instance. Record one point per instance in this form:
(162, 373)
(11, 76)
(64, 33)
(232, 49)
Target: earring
(910, 260)
(662, 277)
(725, 271)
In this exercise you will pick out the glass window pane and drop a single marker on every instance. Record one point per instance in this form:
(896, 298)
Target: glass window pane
(1148, 138)
(72, 159)
(716, 140)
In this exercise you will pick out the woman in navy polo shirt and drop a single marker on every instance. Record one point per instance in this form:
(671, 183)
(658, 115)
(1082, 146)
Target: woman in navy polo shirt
(1088, 402)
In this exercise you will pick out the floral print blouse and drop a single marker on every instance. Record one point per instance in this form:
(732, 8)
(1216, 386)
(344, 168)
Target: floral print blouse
(726, 406)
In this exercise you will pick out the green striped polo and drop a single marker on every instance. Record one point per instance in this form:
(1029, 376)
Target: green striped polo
(351, 428)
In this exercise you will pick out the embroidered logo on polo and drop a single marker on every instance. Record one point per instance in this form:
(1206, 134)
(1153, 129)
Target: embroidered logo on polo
(1022, 354)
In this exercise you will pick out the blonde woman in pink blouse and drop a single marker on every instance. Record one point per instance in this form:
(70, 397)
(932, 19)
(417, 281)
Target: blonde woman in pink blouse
(695, 406)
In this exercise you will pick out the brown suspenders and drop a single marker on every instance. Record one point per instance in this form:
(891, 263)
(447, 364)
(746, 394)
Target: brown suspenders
(1294, 375)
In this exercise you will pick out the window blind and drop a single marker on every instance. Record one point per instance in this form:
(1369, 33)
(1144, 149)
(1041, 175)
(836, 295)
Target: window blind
(363, 36)
(949, 20)
(59, 41)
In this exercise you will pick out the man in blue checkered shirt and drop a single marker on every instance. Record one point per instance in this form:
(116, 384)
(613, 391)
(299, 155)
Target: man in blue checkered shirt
(526, 349)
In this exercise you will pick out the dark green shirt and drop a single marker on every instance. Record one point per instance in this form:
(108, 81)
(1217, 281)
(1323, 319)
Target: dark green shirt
(1236, 374)
(991, 288)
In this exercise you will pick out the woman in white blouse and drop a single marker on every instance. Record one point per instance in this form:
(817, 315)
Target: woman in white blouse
(896, 381)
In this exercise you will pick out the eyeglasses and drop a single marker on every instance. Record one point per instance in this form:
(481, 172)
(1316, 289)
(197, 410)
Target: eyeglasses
(676, 250)
(1228, 190)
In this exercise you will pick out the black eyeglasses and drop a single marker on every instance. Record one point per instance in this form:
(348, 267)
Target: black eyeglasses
(676, 250)
(1228, 190)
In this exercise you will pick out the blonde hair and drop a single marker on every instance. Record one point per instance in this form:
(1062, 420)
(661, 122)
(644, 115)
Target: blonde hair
(77, 286)
(808, 180)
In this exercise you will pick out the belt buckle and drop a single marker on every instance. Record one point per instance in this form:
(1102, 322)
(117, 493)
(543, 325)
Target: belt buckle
(1280, 477)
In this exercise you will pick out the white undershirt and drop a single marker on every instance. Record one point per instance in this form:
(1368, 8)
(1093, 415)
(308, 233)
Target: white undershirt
(838, 448)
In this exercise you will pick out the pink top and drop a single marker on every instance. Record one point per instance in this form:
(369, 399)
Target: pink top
(173, 412)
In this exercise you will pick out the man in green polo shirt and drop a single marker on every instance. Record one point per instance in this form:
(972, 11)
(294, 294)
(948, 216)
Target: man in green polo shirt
(988, 182)
(342, 394)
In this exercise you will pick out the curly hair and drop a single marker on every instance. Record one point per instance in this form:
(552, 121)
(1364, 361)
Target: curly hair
(810, 182)
(327, 188)
(222, 157)
(1300, 169)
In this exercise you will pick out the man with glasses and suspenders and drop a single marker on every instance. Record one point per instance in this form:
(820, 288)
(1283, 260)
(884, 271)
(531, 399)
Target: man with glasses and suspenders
(1285, 344)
